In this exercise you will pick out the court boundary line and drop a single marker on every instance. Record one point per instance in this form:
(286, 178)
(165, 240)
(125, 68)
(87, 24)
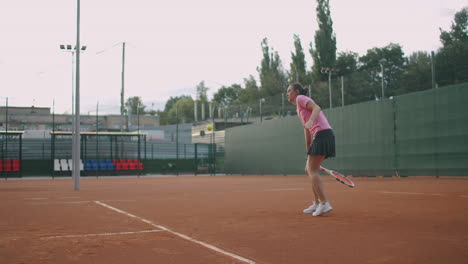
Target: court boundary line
(283, 190)
(214, 248)
(412, 193)
(105, 234)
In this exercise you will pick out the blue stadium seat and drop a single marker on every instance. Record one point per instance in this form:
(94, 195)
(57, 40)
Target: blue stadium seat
(102, 165)
(88, 165)
(110, 165)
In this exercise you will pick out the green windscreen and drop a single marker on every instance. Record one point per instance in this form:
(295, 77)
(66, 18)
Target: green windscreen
(423, 133)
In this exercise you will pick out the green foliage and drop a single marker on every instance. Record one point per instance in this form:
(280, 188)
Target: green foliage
(251, 91)
(227, 95)
(172, 100)
(362, 75)
(183, 109)
(298, 71)
(347, 62)
(181, 106)
(392, 59)
(451, 60)
(356, 85)
(324, 54)
(458, 30)
(273, 79)
(135, 105)
(201, 92)
(417, 75)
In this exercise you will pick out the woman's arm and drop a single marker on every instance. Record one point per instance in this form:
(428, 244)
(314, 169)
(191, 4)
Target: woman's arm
(312, 106)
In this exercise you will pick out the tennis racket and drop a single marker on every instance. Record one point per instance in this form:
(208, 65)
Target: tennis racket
(338, 176)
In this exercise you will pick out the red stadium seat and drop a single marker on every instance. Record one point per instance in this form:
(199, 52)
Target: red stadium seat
(16, 165)
(7, 166)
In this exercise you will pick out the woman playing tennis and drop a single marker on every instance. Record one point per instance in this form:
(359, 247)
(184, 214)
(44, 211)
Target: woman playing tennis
(320, 144)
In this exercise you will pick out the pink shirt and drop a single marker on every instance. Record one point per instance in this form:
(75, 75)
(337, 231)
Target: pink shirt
(320, 123)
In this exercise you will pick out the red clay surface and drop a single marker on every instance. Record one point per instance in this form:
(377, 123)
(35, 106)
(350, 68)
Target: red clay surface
(381, 220)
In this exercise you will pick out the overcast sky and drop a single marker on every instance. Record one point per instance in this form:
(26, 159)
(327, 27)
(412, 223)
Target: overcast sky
(173, 45)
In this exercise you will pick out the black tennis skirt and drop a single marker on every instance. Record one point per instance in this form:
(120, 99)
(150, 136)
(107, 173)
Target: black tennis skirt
(323, 144)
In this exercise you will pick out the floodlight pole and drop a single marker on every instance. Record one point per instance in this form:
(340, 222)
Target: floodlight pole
(261, 113)
(329, 71)
(342, 91)
(433, 76)
(122, 97)
(177, 139)
(70, 48)
(381, 70)
(76, 134)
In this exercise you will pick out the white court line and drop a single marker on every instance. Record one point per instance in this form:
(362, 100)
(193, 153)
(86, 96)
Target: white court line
(287, 189)
(464, 196)
(69, 197)
(50, 203)
(78, 202)
(411, 193)
(73, 202)
(232, 255)
(36, 198)
(104, 234)
(119, 200)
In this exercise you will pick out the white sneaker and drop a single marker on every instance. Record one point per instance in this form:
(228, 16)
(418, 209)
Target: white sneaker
(310, 209)
(322, 208)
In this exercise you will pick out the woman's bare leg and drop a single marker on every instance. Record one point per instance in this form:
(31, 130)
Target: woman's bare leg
(316, 197)
(313, 166)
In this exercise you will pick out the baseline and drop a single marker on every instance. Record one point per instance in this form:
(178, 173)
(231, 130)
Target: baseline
(104, 234)
(219, 250)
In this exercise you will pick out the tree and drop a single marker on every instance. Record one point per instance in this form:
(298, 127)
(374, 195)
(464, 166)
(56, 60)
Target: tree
(168, 116)
(227, 96)
(392, 59)
(324, 54)
(298, 64)
(273, 79)
(250, 92)
(172, 100)
(356, 86)
(459, 29)
(417, 74)
(451, 60)
(183, 109)
(201, 92)
(347, 62)
(135, 105)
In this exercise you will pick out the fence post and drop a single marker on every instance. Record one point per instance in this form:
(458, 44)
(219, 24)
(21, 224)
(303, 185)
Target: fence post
(196, 158)
(214, 159)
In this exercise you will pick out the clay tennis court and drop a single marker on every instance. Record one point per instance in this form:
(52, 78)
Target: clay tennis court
(233, 219)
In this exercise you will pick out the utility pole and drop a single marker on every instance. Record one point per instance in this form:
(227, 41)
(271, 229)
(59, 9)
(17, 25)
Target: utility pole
(282, 104)
(381, 70)
(329, 71)
(433, 62)
(122, 107)
(76, 135)
(342, 91)
(381, 62)
(261, 113)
